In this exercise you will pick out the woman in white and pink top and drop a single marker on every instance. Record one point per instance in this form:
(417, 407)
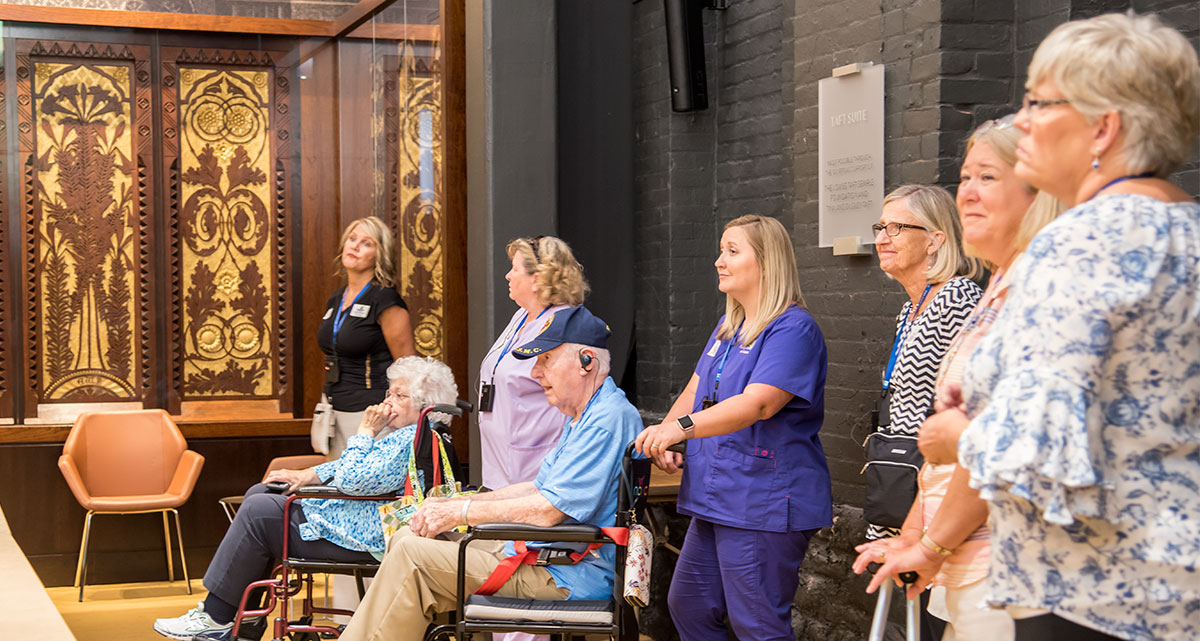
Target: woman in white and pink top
(945, 537)
(517, 426)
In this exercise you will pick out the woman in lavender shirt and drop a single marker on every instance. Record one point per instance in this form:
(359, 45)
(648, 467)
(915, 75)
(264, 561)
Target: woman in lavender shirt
(517, 427)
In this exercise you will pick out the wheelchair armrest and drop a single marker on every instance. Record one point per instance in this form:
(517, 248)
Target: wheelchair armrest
(573, 532)
(317, 490)
(331, 492)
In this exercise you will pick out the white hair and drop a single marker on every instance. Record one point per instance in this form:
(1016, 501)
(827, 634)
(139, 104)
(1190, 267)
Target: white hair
(429, 381)
(603, 357)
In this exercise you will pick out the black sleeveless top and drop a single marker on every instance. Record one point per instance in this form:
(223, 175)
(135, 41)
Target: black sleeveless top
(362, 352)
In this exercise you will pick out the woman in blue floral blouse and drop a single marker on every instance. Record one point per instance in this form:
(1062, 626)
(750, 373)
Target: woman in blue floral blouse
(375, 461)
(1084, 397)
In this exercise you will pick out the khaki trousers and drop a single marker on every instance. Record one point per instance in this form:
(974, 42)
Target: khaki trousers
(418, 579)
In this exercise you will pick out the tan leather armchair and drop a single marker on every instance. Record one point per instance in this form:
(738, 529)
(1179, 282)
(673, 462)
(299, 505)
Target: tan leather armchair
(132, 462)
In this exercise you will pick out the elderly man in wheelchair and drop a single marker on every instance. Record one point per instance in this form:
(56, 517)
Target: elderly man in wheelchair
(374, 462)
(577, 484)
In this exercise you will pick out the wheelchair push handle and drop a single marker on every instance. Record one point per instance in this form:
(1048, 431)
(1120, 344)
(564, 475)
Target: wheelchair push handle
(678, 448)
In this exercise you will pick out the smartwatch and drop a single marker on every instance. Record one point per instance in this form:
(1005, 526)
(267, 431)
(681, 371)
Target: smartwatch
(688, 427)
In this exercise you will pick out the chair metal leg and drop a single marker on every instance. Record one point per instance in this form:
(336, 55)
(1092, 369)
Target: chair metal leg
(182, 558)
(81, 568)
(167, 542)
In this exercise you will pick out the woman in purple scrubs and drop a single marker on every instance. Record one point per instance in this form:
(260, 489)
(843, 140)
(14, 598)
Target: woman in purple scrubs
(755, 482)
(517, 427)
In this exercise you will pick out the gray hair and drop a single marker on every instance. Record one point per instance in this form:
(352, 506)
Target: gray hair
(935, 208)
(429, 381)
(1134, 65)
(603, 357)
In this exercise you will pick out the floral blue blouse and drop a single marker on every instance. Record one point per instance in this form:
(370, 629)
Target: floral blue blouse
(1085, 431)
(365, 468)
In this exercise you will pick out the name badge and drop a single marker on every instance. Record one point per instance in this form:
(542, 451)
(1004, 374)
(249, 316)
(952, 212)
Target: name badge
(713, 352)
(328, 313)
(359, 310)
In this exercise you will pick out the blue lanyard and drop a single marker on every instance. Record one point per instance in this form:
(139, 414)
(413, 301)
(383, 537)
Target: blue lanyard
(340, 317)
(512, 337)
(887, 376)
(721, 366)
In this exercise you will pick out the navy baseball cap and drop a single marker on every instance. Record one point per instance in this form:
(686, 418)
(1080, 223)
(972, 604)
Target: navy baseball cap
(572, 325)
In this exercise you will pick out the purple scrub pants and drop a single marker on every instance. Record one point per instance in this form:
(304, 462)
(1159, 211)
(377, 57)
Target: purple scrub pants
(747, 575)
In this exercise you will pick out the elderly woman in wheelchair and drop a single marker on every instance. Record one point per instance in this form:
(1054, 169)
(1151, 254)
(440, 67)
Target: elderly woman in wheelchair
(375, 462)
(577, 484)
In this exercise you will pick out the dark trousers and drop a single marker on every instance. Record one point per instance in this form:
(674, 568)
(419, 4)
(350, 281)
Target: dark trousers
(1051, 627)
(254, 542)
(746, 575)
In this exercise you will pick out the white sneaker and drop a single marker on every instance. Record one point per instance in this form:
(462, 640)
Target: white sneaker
(196, 625)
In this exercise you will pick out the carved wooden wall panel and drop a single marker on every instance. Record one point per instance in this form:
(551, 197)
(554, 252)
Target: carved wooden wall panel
(227, 150)
(84, 138)
(414, 135)
(6, 300)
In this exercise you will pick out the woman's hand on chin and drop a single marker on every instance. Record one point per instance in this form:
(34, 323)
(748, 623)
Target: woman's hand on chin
(375, 418)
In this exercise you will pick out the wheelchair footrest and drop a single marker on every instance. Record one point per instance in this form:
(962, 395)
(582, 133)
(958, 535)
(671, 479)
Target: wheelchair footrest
(496, 608)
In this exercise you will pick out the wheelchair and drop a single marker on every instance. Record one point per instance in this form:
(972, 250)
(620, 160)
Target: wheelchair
(295, 574)
(615, 618)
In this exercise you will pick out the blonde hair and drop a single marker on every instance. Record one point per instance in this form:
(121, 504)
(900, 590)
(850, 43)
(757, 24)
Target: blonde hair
(778, 285)
(935, 208)
(385, 249)
(1002, 138)
(560, 276)
(1134, 65)
(429, 382)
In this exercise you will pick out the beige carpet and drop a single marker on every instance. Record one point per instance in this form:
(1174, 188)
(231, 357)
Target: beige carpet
(127, 611)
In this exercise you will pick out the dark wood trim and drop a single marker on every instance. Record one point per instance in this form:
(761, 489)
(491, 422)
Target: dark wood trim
(158, 20)
(396, 31)
(198, 429)
(355, 16)
(454, 203)
(226, 24)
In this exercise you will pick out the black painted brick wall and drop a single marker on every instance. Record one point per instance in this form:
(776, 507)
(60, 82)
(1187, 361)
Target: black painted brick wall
(950, 65)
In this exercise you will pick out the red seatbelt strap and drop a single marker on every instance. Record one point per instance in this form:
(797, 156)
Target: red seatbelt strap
(525, 556)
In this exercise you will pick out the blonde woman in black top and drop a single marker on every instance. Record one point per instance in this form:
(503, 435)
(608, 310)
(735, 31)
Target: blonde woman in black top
(365, 327)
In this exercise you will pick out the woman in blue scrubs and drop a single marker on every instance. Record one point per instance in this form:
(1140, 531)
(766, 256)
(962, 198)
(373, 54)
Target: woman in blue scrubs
(755, 481)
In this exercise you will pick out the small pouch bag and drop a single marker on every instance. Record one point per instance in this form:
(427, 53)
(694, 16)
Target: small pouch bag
(893, 462)
(322, 426)
(638, 556)
(398, 513)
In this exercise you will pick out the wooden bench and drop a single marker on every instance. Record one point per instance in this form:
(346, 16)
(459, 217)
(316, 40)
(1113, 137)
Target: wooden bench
(25, 609)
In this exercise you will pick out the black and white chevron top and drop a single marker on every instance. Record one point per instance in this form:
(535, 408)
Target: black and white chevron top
(925, 343)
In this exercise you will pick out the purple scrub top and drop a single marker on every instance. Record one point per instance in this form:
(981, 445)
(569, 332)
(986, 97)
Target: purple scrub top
(771, 475)
(522, 427)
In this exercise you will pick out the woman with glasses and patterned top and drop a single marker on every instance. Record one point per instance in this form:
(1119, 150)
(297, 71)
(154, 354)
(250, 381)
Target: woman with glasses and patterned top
(919, 242)
(1084, 397)
(365, 327)
(517, 426)
(375, 461)
(1000, 213)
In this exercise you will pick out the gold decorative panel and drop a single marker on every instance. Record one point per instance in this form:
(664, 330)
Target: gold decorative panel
(227, 232)
(85, 195)
(415, 147)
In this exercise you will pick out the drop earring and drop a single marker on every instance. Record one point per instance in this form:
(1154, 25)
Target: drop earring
(1095, 159)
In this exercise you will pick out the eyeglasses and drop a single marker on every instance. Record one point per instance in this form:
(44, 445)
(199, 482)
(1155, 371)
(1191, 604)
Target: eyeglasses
(390, 395)
(1033, 106)
(996, 123)
(893, 229)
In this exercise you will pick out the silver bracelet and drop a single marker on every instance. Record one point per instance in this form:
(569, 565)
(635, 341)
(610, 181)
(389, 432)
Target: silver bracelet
(466, 506)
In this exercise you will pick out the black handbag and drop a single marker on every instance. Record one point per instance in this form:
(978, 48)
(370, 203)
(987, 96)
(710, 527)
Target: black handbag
(893, 462)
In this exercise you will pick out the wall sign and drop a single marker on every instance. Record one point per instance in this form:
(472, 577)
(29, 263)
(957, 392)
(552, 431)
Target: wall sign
(850, 156)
